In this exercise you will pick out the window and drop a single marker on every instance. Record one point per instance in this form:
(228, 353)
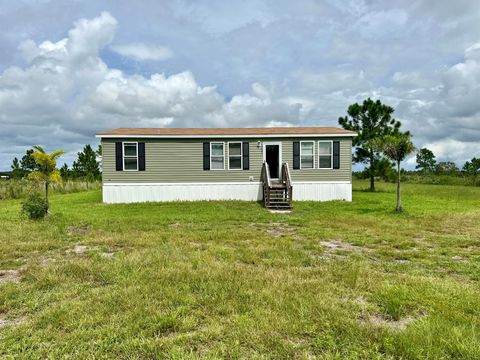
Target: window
(217, 161)
(130, 156)
(235, 156)
(307, 150)
(325, 154)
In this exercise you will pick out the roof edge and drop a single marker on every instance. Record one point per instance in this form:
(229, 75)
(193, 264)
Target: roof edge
(216, 136)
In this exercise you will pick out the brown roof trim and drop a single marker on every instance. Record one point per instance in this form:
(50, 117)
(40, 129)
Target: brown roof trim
(226, 132)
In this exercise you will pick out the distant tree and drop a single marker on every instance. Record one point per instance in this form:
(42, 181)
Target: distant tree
(99, 156)
(17, 172)
(25, 166)
(446, 167)
(472, 167)
(65, 172)
(47, 172)
(395, 147)
(371, 120)
(385, 170)
(28, 163)
(426, 160)
(86, 166)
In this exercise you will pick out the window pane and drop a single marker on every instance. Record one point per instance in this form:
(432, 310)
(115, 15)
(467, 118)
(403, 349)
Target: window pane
(130, 150)
(307, 162)
(324, 148)
(236, 162)
(307, 148)
(130, 164)
(235, 149)
(325, 162)
(217, 163)
(217, 149)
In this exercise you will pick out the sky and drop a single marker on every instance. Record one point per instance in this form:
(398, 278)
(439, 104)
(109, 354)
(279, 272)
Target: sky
(69, 69)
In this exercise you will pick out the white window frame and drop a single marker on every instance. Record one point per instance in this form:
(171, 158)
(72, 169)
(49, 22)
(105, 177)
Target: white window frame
(331, 154)
(241, 155)
(217, 156)
(129, 156)
(313, 155)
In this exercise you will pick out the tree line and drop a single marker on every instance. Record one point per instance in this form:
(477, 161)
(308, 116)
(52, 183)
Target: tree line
(86, 167)
(373, 120)
(427, 164)
(381, 144)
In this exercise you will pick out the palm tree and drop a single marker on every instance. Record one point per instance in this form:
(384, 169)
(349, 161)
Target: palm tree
(396, 148)
(47, 172)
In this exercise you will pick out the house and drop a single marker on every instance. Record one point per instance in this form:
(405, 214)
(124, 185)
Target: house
(277, 164)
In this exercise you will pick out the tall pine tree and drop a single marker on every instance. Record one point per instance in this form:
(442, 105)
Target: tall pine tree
(371, 120)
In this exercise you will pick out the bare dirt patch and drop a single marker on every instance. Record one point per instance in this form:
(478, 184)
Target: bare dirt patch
(78, 249)
(273, 211)
(397, 325)
(7, 276)
(277, 229)
(7, 322)
(81, 249)
(107, 254)
(334, 247)
(46, 261)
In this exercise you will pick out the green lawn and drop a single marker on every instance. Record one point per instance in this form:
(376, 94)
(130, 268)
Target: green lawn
(230, 280)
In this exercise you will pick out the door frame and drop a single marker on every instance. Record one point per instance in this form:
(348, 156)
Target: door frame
(279, 155)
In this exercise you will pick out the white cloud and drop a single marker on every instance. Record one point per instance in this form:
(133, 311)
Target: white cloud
(255, 64)
(68, 92)
(143, 52)
(453, 150)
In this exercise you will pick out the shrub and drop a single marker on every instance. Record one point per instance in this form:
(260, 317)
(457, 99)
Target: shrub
(34, 207)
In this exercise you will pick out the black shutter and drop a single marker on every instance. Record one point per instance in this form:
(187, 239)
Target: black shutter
(141, 156)
(246, 155)
(296, 155)
(206, 156)
(118, 156)
(336, 154)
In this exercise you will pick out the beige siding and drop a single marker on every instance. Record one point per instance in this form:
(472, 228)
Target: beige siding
(181, 160)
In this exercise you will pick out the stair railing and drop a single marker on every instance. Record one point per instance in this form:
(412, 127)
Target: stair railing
(288, 181)
(267, 183)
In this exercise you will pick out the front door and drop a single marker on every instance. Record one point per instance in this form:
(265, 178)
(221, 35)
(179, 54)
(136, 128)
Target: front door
(272, 157)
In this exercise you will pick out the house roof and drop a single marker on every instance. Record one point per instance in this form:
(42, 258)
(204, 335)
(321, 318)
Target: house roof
(226, 132)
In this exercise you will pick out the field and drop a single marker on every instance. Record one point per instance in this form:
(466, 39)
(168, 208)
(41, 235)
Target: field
(17, 189)
(230, 280)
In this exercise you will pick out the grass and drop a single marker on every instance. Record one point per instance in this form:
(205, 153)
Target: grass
(230, 280)
(17, 189)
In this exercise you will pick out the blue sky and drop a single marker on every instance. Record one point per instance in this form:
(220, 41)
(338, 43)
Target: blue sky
(71, 68)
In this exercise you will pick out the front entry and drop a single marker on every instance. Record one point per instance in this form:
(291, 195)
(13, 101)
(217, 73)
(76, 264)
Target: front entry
(271, 154)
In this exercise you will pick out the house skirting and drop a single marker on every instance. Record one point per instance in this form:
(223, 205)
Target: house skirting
(249, 191)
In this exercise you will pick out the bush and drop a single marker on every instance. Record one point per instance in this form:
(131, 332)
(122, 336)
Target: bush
(34, 207)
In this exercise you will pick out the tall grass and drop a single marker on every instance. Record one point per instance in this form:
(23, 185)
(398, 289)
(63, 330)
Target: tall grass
(441, 179)
(429, 179)
(17, 189)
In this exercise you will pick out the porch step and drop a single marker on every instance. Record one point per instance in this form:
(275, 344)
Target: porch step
(277, 193)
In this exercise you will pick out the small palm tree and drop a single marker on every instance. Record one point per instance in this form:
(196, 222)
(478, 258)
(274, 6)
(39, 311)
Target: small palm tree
(396, 148)
(47, 172)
